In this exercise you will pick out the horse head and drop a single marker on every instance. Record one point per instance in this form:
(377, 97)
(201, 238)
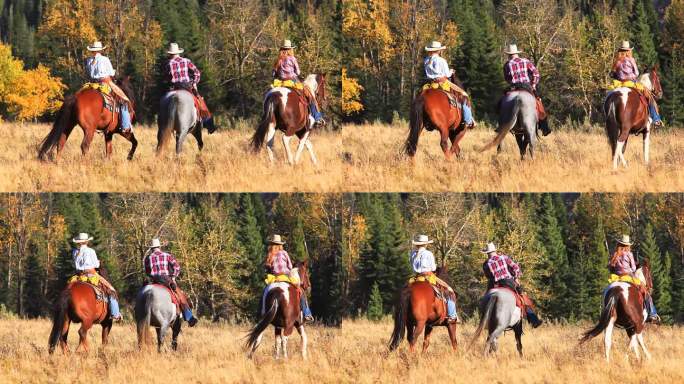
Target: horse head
(126, 85)
(303, 269)
(643, 272)
(651, 81)
(320, 91)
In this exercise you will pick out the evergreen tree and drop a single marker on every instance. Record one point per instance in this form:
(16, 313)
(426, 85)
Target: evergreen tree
(556, 276)
(660, 270)
(35, 304)
(251, 265)
(375, 308)
(641, 33)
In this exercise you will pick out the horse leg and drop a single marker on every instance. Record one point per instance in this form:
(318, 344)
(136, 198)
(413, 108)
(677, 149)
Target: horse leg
(88, 135)
(640, 337)
(180, 139)
(106, 328)
(647, 142)
(161, 334)
(634, 343)
(426, 338)
(518, 337)
(309, 147)
(270, 135)
(283, 339)
(278, 336)
(286, 143)
(452, 336)
(608, 336)
(83, 336)
(108, 136)
(300, 147)
(130, 136)
(455, 136)
(420, 326)
(176, 329)
(198, 135)
(522, 145)
(622, 153)
(444, 143)
(305, 340)
(531, 142)
(65, 335)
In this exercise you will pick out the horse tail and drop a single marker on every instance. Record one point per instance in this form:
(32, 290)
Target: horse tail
(484, 319)
(415, 126)
(166, 124)
(60, 126)
(606, 314)
(612, 123)
(266, 119)
(143, 322)
(506, 126)
(59, 314)
(400, 318)
(258, 329)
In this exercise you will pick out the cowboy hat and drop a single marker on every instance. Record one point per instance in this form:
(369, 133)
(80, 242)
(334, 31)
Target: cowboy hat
(287, 44)
(625, 46)
(512, 49)
(421, 240)
(174, 49)
(82, 238)
(625, 240)
(275, 239)
(489, 249)
(155, 244)
(96, 47)
(435, 46)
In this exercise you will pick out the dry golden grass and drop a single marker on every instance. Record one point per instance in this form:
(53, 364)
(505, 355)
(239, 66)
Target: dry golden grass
(226, 164)
(567, 160)
(356, 353)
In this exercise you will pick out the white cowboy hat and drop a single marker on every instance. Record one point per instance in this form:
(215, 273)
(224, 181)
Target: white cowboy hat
(96, 47)
(287, 44)
(512, 49)
(625, 46)
(155, 244)
(435, 46)
(275, 239)
(625, 240)
(174, 49)
(489, 249)
(421, 240)
(82, 238)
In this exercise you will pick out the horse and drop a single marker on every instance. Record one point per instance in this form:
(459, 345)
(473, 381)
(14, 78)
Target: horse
(78, 303)
(178, 114)
(287, 110)
(420, 310)
(154, 307)
(499, 313)
(626, 114)
(431, 110)
(518, 115)
(623, 306)
(281, 309)
(87, 109)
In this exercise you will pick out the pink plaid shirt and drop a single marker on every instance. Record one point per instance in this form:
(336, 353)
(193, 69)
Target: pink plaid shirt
(625, 264)
(159, 263)
(499, 267)
(520, 70)
(281, 264)
(179, 68)
(627, 69)
(288, 69)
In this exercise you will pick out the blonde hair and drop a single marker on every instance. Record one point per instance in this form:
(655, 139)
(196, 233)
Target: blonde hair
(284, 53)
(273, 249)
(619, 56)
(618, 252)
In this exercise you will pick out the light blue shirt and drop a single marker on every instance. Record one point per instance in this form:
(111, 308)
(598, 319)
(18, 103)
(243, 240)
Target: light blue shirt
(99, 67)
(423, 260)
(436, 67)
(85, 258)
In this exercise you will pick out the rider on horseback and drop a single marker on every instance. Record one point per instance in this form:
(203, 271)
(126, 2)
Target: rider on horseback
(86, 264)
(625, 69)
(622, 264)
(423, 263)
(177, 73)
(99, 69)
(278, 263)
(437, 70)
(521, 73)
(287, 68)
(502, 271)
(162, 268)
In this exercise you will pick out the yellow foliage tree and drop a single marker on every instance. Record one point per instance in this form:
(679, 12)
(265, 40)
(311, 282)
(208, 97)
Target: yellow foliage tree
(351, 94)
(10, 70)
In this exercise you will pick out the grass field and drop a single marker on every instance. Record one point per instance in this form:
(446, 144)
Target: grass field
(356, 353)
(226, 164)
(567, 160)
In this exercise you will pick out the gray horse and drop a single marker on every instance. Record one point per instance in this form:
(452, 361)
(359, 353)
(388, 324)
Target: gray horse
(155, 308)
(518, 114)
(499, 313)
(178, 116)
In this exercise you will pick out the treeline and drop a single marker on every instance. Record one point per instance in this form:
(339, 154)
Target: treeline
(219, 241)
(561, 242)
(572, 42)
(234, 43)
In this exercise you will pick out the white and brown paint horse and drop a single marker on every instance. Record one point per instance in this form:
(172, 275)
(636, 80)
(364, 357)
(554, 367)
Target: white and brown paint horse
(623, 306)
(281, 308)
(626, 114)
(288, 111)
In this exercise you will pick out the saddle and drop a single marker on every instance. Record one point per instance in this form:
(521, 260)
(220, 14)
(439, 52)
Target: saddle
(101, 292)
(445, 87)
(271, 278)
(440, 292)
(110, 101)
(520, 301)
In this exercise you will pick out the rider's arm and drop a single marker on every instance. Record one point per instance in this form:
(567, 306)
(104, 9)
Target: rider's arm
(443, 68)
(289, 261)
(634, 66)
(514, 266)
(146, 265)
(508, 76)
(105, 67)
(295, 65)
(534, 74)
(175, 267)
(195, 73)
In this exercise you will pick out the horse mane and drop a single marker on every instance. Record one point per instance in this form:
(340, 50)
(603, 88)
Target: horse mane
(312, 82)
(125, 84)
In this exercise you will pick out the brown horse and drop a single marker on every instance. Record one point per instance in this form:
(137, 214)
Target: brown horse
(78, 303)
(281, 308)
(288, 111)
(418, 310)
(623, 306)
(627, 114)
(87, 109)
(432, 110)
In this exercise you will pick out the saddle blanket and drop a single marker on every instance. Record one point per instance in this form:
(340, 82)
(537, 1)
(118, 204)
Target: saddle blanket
(432, 279)
(624, 279)
(93, 281)
(270, 279)
(626, 84)
(107, 95)
(277, 83)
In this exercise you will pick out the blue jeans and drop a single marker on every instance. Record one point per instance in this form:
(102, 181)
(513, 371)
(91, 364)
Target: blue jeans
(650, 307)
(467, 113)
(114, 307)
(654, 114)
(125, 117)
(304, 305)
(187, 314)
(315, 113)
(451, 308)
